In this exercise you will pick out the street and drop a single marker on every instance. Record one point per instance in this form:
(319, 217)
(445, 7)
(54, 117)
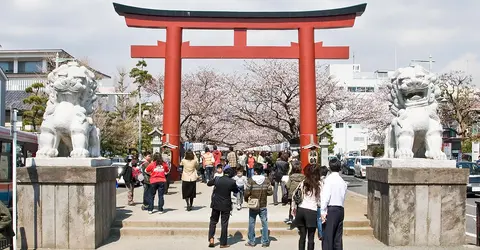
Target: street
(359, 186)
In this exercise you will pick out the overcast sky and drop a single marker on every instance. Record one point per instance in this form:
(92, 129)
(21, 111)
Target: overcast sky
(448, 30)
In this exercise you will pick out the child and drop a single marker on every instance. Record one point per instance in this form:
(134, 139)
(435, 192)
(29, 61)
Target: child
(219, 172)
(323, 173)
(227, 165)
(241, 181)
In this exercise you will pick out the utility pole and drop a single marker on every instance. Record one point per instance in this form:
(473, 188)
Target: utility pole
(139, 124)
(13, 124)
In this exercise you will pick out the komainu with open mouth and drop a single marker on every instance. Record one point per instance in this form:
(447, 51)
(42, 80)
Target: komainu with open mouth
(67, 128)
(415, 130)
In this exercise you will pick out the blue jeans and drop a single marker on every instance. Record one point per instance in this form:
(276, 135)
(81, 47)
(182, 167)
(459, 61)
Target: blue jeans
(250, 172)
(319, 223)
(262, 212)
(208, 173)
(240, 194)
(159, 188)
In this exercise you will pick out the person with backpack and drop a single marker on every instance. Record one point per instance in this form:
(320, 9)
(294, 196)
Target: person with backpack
(208, 161)
(146, 178)
(280, 170)
(256, 191)
(157, 169)
(129, 179)
(296, 177)
(307, 199)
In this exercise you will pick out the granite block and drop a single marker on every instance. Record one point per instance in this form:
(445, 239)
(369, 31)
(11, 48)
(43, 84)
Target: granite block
(413, 163)
(68, 162)
(68, 212)
(417, 206)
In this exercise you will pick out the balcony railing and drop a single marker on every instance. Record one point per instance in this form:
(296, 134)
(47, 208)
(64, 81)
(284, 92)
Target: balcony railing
(21, 84)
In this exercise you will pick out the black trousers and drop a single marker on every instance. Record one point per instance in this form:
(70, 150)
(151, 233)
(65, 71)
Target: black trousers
(167, 184)
(224, 224)
(333, 234)
(304, 232)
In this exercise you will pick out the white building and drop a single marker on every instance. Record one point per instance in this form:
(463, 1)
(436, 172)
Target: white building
(350, 136)
(3, 85)
(26, 67)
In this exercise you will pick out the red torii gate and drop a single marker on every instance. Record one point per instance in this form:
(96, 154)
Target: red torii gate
(174, 49)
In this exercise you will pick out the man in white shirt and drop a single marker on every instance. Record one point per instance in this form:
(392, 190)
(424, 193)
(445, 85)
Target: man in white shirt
(331, 205)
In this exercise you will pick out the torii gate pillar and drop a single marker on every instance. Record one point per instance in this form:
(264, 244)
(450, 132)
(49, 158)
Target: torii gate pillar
(174, 49)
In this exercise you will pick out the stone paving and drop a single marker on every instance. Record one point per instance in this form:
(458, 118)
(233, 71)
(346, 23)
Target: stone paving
(169, 230)
(288, 242)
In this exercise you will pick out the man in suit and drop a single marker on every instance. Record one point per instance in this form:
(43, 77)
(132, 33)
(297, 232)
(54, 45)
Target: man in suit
(221, 205)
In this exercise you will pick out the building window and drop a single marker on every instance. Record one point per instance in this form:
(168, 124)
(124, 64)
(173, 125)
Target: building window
(370, 89)
(30, 67)
(356, 68)
(6, 66)
(360, 89)
(358, 139)
(382, 74)
(352, 89)
(339, 125)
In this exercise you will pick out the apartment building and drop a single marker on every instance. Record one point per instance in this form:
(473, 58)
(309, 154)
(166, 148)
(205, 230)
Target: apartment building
(352, 136)
(3, 85)
(26, 67)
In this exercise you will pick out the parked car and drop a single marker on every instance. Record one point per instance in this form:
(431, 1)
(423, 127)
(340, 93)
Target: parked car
(473, 186)
(361, 164)
(348, 166)
(120, 166)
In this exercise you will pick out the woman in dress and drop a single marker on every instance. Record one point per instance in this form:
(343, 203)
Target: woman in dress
(189, 178)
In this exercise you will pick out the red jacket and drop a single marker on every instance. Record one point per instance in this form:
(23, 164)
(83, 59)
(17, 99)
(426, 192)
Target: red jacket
(217, 155)
(157, 173)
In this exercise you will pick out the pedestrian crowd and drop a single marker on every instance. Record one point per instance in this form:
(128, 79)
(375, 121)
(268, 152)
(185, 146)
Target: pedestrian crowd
(315, 194)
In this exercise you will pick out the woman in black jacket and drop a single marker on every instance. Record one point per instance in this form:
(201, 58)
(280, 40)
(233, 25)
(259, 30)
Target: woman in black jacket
(223, 187)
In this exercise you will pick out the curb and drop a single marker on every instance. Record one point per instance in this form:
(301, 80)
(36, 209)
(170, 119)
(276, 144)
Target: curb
(357, 194)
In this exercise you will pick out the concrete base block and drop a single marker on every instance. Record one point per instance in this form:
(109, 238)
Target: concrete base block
(65, 207)
(67, 161)
(412, 206)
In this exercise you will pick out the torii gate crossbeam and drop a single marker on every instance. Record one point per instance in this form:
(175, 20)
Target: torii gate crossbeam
(174, 49)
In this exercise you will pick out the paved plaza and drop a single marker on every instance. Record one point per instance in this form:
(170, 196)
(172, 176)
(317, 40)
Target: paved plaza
(179, 229)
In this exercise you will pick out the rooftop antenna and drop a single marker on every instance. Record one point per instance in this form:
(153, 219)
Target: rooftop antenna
(395, 58)
(353, 57)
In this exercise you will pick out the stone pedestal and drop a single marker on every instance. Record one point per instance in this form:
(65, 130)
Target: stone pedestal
(417, 202)
(65, 207)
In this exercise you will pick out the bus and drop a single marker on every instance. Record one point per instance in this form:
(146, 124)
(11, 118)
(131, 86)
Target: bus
(27, 145)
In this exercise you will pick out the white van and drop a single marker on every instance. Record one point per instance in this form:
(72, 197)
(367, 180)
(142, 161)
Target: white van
(361, 164)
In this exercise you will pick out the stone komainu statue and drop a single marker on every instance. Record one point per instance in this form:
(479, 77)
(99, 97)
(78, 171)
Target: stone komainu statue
(415, 130)
(67, 128)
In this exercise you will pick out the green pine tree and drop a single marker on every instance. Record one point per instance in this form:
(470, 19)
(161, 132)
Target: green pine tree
(38, 100)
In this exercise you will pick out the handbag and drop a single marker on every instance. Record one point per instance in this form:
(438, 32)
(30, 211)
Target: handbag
(255, 202)
(298, 194)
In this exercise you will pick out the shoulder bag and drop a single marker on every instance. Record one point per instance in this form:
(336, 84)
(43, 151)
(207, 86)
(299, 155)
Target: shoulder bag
(254, 203)
(298, 194)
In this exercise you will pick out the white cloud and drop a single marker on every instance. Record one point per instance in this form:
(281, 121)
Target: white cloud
(92, 29)
(469, 63)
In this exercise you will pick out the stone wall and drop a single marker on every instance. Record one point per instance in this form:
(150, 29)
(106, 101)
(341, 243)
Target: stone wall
(65, 207)
(417, 206)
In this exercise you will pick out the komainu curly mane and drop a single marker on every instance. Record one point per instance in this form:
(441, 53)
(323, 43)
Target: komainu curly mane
(415, 130)
(67, 128)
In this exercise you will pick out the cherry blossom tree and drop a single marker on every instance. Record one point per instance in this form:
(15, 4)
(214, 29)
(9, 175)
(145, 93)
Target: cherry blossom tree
(268, 97)
(460, 106)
